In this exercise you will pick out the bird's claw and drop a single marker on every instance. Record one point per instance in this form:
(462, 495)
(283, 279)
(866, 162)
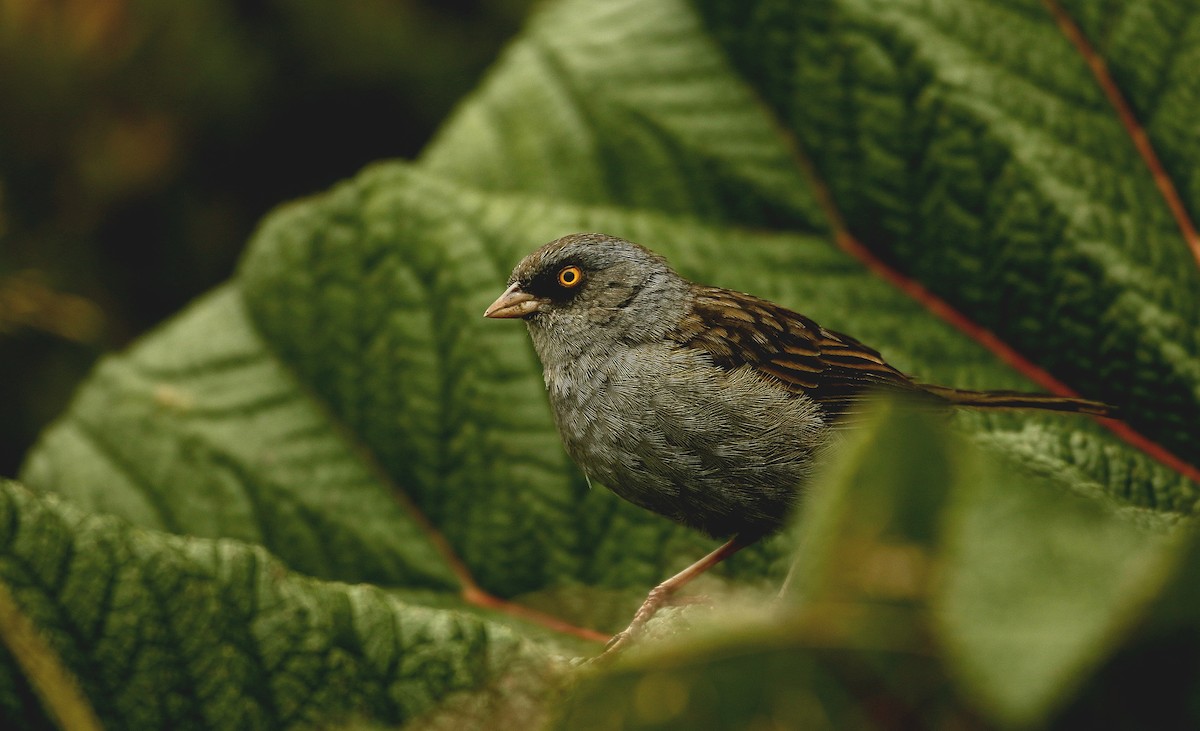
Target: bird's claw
(657, 597)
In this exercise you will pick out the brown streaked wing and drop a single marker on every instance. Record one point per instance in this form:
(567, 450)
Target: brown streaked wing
(835, 370)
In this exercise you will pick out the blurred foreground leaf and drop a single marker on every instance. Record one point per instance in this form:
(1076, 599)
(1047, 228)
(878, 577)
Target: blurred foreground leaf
(935, 586)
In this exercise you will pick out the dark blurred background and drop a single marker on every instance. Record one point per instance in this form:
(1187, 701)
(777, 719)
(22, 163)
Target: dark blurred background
(141, 140)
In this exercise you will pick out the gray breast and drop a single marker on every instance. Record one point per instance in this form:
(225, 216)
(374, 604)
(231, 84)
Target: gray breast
(721, 451)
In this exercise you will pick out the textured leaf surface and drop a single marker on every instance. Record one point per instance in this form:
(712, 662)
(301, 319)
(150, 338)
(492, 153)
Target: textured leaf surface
(1152, 49)
(173, 632)
(343, 405)
(199, 430)
(969, 144)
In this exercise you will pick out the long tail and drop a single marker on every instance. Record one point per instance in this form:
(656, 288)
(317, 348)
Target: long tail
(1019, 400)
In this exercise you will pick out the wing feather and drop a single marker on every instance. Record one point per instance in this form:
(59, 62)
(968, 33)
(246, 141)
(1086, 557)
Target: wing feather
(833, 369)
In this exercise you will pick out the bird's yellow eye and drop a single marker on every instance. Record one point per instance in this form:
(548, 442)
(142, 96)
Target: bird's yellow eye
(570, 276)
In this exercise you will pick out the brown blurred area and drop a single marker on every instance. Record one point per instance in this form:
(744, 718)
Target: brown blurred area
(141, 140)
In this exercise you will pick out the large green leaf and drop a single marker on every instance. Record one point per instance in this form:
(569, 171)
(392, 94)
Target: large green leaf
(343, 404)
(174, 632)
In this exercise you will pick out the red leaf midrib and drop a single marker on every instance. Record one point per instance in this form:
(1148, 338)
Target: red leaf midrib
(943, 310)
(1137, 133)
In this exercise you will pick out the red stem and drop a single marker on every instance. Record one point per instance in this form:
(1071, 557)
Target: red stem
(961, 322)
(472, 593)
(1166, 187)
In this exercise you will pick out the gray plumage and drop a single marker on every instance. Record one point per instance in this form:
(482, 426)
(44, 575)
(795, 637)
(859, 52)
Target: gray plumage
(657, 423)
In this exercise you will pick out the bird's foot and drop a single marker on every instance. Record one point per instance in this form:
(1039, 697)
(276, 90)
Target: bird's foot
(655, 600)
(660, 594)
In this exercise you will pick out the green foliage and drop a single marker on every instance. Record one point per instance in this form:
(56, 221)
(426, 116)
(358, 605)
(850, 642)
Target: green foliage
(920, 560)
(341, 409)
(173, 632)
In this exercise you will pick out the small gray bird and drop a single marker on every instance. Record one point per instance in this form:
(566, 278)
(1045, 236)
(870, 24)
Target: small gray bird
(708, 406)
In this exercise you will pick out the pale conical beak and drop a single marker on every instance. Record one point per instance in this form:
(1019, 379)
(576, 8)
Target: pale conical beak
(513, 303)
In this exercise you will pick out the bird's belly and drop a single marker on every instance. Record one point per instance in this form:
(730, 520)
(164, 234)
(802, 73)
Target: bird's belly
(721, 451)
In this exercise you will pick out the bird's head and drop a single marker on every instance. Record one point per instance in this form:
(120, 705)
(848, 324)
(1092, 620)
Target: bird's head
(590, 289)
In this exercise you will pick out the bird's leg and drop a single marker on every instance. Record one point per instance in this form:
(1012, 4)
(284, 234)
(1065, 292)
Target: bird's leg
(660, 594)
